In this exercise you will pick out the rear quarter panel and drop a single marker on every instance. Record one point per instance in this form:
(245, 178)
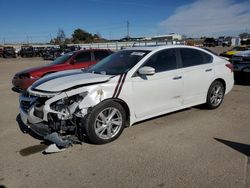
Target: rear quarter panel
(223, 72)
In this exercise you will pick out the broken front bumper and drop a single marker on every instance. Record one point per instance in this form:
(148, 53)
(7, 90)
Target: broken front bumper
(34, 123)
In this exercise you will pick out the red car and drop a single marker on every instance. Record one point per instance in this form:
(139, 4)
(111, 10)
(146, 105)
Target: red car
(73, 60)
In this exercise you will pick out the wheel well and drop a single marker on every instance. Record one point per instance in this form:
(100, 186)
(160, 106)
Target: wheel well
(222, 81)
(125, 107)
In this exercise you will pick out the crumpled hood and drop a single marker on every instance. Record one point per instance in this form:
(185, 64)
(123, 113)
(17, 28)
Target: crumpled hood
(67, 79)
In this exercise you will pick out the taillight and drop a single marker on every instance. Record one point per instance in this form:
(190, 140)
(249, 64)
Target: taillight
(230, 66)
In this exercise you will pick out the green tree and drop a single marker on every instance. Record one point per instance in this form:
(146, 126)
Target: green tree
(80, 35)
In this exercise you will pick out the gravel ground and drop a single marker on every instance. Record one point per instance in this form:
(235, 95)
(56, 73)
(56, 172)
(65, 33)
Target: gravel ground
(190, 148)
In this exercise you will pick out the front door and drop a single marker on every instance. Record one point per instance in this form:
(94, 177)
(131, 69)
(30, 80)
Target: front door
(162, 91)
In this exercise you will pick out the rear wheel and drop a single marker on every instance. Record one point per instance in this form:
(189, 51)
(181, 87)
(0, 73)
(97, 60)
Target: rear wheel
(105, 122)
(215, 95)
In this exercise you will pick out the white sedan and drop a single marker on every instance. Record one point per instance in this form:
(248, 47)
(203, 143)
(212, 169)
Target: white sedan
(126, 87)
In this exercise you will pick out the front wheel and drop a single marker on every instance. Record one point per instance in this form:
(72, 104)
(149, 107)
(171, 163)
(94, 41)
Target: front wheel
(105, 122)
(215, 95)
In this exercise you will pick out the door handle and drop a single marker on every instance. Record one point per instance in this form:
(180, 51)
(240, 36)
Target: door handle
(208, 70)
(177, 78)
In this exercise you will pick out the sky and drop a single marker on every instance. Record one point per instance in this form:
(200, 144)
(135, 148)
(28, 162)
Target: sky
(39, 21)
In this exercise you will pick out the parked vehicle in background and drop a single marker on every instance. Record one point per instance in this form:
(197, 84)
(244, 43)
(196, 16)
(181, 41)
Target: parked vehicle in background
(27, 51)
(38, 51)
(126, 87)
(17, 51)
(229, 54)
(73, 60)
(1, 51)
(9, 51)
(241, 61)
(51, 53)
(66, 49)
(210, 42)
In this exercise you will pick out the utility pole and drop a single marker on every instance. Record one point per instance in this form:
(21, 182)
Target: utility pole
(128, 28)
(27, 39)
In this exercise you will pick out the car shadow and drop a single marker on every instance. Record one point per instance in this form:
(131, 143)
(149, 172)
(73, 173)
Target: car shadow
(242, 78)
(240, 147)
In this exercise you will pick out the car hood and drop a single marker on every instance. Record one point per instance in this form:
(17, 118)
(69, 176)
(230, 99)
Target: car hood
(34, 69)
(231, 52)
(64, 80)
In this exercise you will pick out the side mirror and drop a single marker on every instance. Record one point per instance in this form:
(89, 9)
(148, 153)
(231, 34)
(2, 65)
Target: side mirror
(146, 71)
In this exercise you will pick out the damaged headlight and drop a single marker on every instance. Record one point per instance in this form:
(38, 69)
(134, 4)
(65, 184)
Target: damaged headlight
(68, 106)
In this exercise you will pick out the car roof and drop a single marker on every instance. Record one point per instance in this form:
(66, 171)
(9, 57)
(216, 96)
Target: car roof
(156, 48)
(91, 49)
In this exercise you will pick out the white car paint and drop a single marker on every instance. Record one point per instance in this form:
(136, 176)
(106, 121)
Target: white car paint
(148, 97)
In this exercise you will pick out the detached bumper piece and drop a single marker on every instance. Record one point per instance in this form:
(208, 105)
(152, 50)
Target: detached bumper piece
(60, 143)
(53, 149)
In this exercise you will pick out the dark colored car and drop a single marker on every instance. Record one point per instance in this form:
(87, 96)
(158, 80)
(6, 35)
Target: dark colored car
(27, 51)
(38, 51)
(73, 60)
(9, 52)
(210, 42)
(241, 61)
(1, 51)
(51, 53)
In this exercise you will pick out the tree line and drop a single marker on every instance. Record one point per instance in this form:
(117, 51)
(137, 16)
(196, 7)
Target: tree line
(78, 36)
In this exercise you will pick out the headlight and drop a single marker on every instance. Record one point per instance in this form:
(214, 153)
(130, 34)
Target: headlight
(24, 75)
(68, 105)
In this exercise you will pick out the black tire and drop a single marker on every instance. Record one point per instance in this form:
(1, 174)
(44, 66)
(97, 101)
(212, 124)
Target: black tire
(90, 122)
(214, 100)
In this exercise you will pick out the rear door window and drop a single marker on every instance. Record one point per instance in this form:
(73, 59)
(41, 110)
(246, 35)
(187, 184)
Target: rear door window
(193, 57)
(99, 55)
(83, 57)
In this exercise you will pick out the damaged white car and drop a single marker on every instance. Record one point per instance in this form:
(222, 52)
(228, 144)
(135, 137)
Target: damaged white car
(126, 87)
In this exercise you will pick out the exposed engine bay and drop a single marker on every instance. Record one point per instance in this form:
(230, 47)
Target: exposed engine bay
(58, 121)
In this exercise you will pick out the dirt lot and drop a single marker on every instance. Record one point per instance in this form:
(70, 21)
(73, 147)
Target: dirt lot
(189, 148)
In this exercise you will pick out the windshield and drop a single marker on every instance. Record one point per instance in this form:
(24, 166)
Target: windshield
(62, 59)
(119, 62)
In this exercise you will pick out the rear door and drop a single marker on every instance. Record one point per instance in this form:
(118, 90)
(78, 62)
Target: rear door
(198, 74)
(159, 92)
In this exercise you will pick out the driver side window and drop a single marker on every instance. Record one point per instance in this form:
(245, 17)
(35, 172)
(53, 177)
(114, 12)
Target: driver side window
(163, 61)
(83, 57)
